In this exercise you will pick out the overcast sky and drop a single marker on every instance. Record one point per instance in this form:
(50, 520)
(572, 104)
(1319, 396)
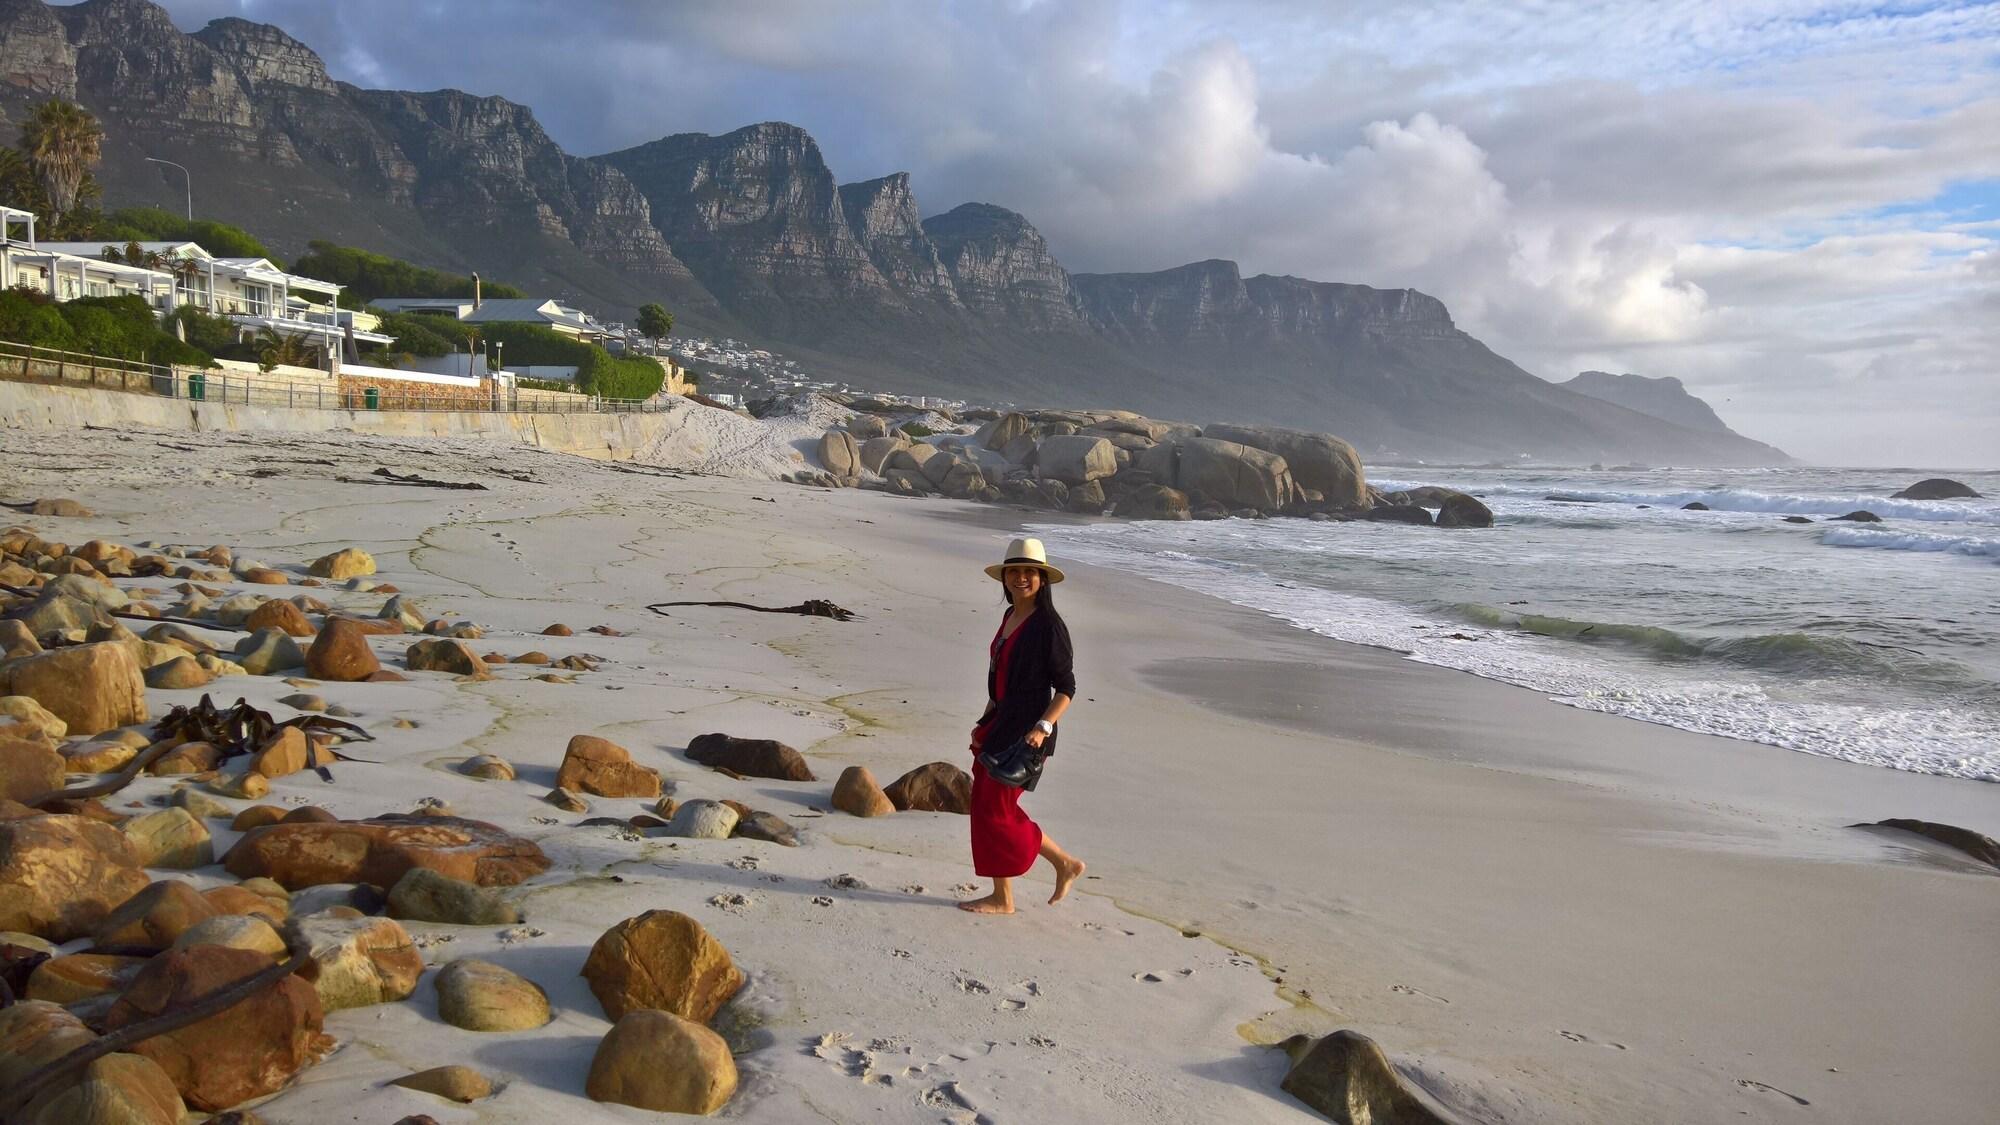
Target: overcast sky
(1794, 206)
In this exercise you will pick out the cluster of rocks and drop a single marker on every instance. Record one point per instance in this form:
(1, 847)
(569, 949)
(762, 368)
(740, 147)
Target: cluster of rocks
(1115, 462)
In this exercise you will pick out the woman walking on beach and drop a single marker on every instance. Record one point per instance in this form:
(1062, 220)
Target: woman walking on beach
(1029, 685)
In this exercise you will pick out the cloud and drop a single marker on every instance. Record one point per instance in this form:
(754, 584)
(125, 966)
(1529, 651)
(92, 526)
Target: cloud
(1740, 195)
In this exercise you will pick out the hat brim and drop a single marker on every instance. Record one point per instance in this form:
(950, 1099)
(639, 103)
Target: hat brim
(998, 571)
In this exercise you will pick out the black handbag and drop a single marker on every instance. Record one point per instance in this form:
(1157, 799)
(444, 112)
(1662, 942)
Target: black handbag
(1014, 765)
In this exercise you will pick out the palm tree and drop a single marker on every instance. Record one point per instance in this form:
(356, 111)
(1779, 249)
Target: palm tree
(62, 141)
(276, 349)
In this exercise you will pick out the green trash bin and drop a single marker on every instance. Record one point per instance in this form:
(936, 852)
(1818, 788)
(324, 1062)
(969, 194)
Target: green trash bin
(197, 386)
(371, 398)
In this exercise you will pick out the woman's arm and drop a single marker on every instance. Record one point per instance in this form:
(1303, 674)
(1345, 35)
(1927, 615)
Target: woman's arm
(1062, 678)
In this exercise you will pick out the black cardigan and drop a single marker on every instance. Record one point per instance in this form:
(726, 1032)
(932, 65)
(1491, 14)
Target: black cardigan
(1038, 669)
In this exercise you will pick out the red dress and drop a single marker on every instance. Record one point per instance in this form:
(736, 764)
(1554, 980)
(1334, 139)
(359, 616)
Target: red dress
(1005, 842)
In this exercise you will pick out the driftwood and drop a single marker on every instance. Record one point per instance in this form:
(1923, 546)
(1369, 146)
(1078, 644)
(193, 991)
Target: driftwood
(817, 607)
(48, 1075)
(413, 479)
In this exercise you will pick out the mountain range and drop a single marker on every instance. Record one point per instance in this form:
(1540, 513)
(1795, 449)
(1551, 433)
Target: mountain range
(749, 234)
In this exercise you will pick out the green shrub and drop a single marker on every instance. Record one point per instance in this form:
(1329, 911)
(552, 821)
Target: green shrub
(212, 334)
(368, 275)
(419, 334)
(546, 385)
(151, 224)
(27, 318)
(598, 372)
(113, 327)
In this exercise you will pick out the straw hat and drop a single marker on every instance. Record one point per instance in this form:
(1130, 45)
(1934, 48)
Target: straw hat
(1026, 552)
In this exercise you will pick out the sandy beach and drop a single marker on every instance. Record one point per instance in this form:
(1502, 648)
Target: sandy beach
(1543, 914)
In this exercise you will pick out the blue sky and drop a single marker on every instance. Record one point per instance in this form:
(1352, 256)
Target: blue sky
(1793, 205)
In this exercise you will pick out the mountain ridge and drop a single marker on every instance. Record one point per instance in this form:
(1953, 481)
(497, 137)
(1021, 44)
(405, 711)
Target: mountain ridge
(748, 233)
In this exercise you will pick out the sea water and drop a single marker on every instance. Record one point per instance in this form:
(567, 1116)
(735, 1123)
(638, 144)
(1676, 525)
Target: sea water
(1874, 643)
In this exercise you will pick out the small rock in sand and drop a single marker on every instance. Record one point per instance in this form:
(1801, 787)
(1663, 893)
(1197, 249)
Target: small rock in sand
(453, 1083)
(481, 996)
(703, 820)
(488, 767)
(658, 1061)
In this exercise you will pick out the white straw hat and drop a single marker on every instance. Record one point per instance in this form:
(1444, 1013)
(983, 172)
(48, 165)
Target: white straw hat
(1026, 552)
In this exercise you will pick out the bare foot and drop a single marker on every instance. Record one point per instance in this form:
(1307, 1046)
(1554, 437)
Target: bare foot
(1064, 877)
(991, 904)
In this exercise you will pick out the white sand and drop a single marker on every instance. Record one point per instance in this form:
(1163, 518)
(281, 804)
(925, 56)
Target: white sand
(1553, 916)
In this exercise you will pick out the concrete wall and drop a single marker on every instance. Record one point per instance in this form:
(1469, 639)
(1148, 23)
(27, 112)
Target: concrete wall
(613, 437)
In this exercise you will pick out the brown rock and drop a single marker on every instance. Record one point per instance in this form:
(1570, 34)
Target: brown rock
(237, 931)
(452, 656)
(658, 1061)
(118, 1089)
(1347, 1077)
(179, 674)
(857, 794)
(286, 753)
(172, 837)
(357, 962)
(349, 562)
(234, 898)
(188, 757)
(60, 506)
(80, 976)
(246, 786)
(60, 876)
(250, 1050)
(154, 917)
(35, 721)
(596, 765)
(96, 757)
(29, 769)
(532, 658)
(341, 653)
(454, 1083)
(558, 630)
(661, 959)
(481, 996)
(281, 615)
(257, 816)
(751, 757)
(936, 787)
(309, 814)
(34, 1033)
(379, 850)
(385, 676)
(265, 576)
(91, 687)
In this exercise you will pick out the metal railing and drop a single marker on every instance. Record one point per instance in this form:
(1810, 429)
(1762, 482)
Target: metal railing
(30, 364)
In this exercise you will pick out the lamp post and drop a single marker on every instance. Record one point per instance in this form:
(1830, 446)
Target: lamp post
(190, 182)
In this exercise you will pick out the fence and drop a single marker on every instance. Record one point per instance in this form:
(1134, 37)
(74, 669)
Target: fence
(28, 364)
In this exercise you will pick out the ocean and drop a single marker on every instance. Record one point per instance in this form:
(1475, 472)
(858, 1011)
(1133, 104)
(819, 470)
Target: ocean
(1873, 643)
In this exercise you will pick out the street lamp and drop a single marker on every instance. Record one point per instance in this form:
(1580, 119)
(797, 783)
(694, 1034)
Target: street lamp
(190, 182)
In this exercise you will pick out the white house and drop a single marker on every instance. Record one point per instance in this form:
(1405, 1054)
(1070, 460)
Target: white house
(550, 313)
(252, 292)
(64, 275)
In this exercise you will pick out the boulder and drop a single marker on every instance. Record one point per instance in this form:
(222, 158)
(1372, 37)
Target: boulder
(1156, 502)
(839, 454)
(268, 652)
(256, 816)
(1075, 458)
(381, 850)
(875, 452)
(600, 766)
(567, 800)
(155, 917)
(287, 752)
(452, 656)
(53, 615)
(1460, 510)
(38, 721)
(341, 653)
(1346, 1076)
(348, 562)
(1007, 429)
(117, 1089)
(282, 616)
(200, 805)
(487, 767)
(936, 787)
(482, 996)
(252, 1049)
(170, 838)
(661, 959)
(97, 592)
(911, 459)
(1694, 506)
(751, 757)
(453, 1083)
(660, 1062)
(423, 895)
(951, 475)
(80, 976)
(768, 827)
(91, 757)
(61, 876)
(236, 931)
(34, 1033)
(703, 820)
(357, 962)
(1230, 473)
(30, 768)
(1400, 513)
(866, 426)
(1861, 516)
(1087, 499)
(857, 794)
(187, 758)
(1937, 488)
(179, 674)
(265, 576)
(1321, 462)
(402, 611)
(244, 899)
(92, 687)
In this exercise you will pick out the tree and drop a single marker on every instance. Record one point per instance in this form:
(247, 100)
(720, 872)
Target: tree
(61, 141)
(655, 321)
(276, 349)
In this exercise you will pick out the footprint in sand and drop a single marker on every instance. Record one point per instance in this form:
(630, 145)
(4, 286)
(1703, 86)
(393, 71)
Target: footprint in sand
(1408, 991)
(745, 863)
(964, 888)
(913, 889)
(1749, 1084)
(969, 984)
(734, 903)
(822, 900)
(1578, 1037)
(1149, 978)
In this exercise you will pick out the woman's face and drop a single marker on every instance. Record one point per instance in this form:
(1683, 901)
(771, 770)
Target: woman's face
(1022, 582)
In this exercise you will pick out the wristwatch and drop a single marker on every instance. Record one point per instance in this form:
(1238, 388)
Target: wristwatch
(1045, 726)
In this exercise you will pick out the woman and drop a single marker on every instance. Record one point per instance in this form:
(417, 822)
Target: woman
(1028, 687)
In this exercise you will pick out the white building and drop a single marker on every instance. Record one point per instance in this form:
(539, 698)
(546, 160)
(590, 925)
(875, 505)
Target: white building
(50, 268)
(549, 313)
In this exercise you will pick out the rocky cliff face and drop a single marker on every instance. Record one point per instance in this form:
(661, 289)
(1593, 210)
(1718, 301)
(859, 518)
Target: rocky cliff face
(1211, 302)
(884, 218)
(1662, 397)
(1002, 269)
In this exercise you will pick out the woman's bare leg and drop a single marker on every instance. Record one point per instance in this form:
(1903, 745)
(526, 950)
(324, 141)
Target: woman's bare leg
(1068, 867)
(1001, 901)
